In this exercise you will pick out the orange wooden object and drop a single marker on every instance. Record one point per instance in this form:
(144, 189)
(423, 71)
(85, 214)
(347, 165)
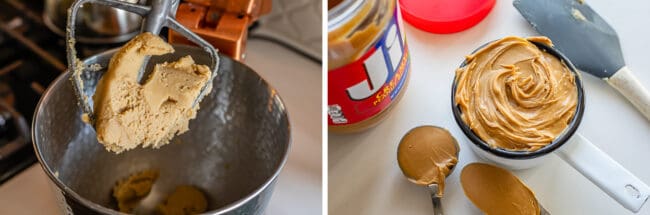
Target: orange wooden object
(223, 23)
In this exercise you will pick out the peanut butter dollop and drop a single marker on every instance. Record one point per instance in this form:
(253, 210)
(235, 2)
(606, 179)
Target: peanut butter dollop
(185, 200)
(497, 191)
(426, 155)
(129, 191)
(516, 96)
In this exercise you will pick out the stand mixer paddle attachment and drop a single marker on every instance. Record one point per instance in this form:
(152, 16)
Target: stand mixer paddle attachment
(161, 13)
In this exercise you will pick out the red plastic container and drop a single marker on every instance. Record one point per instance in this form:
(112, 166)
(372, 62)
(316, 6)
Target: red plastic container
(445, 16)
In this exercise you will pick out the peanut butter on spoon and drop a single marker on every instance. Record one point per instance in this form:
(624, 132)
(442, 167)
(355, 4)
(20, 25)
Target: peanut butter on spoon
(496, 191)
(427, 154)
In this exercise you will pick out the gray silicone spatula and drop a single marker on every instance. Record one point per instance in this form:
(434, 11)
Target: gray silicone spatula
(588, 41)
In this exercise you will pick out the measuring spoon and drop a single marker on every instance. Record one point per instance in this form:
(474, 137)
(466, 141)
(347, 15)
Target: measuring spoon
(427, 155)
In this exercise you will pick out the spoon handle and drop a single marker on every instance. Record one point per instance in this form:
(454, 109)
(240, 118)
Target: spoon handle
(437, 207)
(435, 199)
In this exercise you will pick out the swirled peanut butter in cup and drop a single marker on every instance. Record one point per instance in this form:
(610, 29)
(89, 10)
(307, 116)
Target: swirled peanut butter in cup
(427, 154)
(514, 95)
(495, 190)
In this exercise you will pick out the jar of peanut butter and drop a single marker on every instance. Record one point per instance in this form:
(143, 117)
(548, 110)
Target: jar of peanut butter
(368, 63)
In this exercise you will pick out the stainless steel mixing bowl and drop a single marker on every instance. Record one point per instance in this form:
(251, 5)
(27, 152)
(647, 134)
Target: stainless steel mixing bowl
(233, 151)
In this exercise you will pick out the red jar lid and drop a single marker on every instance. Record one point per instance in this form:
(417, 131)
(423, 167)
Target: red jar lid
(445, 16)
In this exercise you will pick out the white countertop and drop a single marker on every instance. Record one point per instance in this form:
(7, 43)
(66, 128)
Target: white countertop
(298, 189)
(364, 177)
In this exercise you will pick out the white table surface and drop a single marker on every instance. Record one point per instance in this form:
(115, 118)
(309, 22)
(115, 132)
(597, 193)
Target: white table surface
(364, 177)
(298, 189)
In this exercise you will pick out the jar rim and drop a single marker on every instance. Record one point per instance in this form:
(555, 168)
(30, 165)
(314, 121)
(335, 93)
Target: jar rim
(342, 12)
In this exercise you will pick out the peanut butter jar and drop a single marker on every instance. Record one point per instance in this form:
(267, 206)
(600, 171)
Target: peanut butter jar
(368, 63)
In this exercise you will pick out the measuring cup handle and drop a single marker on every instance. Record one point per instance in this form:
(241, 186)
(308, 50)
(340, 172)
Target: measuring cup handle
(606, 173)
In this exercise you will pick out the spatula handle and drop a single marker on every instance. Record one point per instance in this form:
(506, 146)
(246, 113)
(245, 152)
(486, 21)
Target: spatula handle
(628, 85)
(604, 172)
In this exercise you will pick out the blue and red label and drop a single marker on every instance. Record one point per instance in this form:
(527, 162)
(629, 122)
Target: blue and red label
(367, 86)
